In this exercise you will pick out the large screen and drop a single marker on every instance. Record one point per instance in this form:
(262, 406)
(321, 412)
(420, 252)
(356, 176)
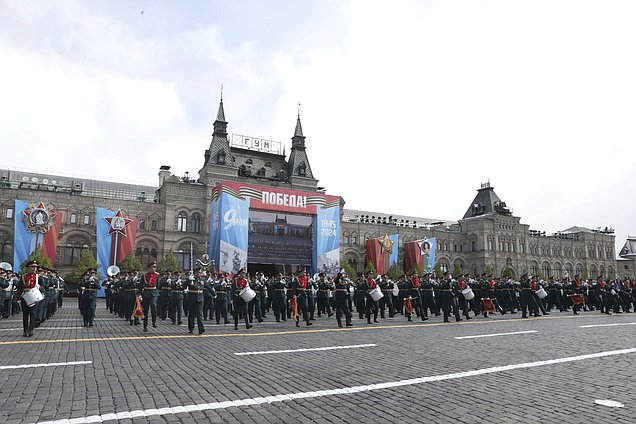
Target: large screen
(280, 238)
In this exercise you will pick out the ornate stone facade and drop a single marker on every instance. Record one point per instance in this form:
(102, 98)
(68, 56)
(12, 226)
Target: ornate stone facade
(175, 215)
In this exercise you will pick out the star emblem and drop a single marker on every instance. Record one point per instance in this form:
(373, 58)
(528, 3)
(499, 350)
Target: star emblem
(118, 223)
(38, 219)
(387, 244)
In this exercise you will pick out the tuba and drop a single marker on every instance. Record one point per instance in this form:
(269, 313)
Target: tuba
(112, 270)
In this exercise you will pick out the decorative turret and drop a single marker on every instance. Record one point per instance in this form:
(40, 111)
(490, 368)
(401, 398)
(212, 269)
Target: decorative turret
(486, 202)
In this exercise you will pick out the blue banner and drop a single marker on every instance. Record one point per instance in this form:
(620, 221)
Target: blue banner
(24, 241)
(394, 253)
(104, 243)
(234, 228)
(428, 259)
(215, 232)
(326, 255)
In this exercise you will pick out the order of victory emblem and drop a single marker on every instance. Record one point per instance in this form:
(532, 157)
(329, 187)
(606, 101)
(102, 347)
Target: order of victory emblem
(38, 219)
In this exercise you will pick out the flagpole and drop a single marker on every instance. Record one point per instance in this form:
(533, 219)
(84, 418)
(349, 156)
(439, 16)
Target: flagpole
(190, 256)
(115, 252)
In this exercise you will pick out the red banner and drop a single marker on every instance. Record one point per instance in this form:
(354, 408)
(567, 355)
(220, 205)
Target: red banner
(412, 256)
(277, 199)
(49, 239)
(377, 257)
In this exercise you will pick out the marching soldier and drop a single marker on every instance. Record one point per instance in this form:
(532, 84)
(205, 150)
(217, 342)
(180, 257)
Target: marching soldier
(195, 286)
(176, 298)
(208, 298)
(239, 304)
(446, 298)
(428, 298)
(89, 286)
(299, 289)
(386, 286)
(28, 282)
(324, 291)
(163, 286)
(279, 297)
(5, 294)
(147, 288)
(221, 288)
(371, 305)
(341, 294)
(254, 306)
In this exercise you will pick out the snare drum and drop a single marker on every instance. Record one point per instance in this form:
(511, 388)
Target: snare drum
(376, 294)
(32, 296)
(247, 294)
(541, 293)
(468, 293)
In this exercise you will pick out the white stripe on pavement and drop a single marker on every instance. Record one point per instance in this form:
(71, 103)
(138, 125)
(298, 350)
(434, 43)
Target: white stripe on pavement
(496, 334)
(265, 352)
(606, 325)
(52, 364)
(331, 392)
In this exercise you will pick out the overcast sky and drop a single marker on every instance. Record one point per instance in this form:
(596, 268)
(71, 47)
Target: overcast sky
(407, 106)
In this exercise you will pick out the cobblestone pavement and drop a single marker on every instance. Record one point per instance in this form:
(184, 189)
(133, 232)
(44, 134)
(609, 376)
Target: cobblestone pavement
(416, 372)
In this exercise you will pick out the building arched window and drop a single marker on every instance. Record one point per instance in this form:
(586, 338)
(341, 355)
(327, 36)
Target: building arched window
(72, 252)
(354, 239)
(182, 221)
(196, 223)
(260, 172)
(73, 218)
(6, 251)
(153, 225)
(302, 169)
(142, 224)
(184, 258)
(220, 157)
(346, 239)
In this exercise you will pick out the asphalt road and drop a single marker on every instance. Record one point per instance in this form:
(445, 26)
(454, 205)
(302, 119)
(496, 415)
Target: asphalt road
(546, 370)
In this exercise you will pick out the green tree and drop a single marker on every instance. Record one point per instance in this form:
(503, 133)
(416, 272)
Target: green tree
(351, 272)
(416, 268)
(85, 261)
(168, 263)
(508, 272)
(38, 256)
(438, 270)
(129, 263)
(395, 271)
(488, 269)
(371, 268)
(457, 271)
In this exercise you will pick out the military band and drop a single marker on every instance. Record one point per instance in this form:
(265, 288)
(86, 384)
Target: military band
(218, 295)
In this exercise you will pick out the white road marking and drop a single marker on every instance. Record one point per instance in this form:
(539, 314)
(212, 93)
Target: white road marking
(265, 352)
(606, 402)
(495, 334)
(52, 364)
(331, 392)
(607, 325)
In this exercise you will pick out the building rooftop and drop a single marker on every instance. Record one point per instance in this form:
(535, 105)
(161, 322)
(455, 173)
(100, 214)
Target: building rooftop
(18, 179)
(352, 215)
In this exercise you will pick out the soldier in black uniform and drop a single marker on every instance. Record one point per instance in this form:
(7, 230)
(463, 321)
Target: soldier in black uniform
(221, 288)
(323, 295)
(427, 287)
(176, 298)
(254, 307)
(342, 285)
(163, 286)
(208, 297)
(89, 286)
(446, 297)
(312, 287)
(195, 286)
(526, 298)
(371, 305)
(279, 299)
(386, 285)
(360, 295)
